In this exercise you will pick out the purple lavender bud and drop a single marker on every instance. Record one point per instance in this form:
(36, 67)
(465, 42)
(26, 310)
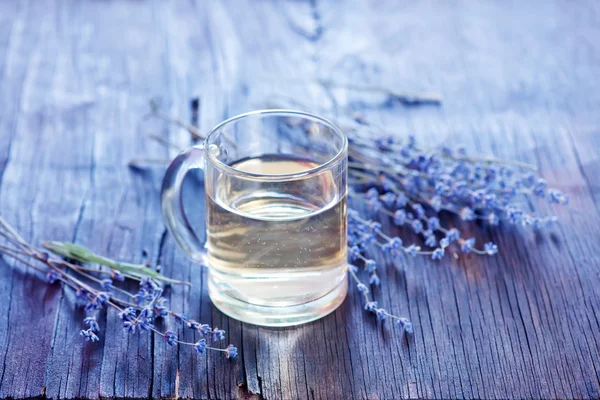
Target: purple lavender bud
(433, 223)
(444, 242)
(117, 275)
(370, 265)
(412, 250)
(178, 317)
(493, 219)
(102, 299)
(89, 335)
(200, 346)
(204, 329)
(375, 227)
(430, 239)
(490, 248)
(557, 197)
(401, 200)
(381, 314)
(127, 314)
(193, 324)
(514, 215)
(372, 194)
(389, 199)
(539, 189)
(418, 209)
(231, 351)
(218, 334)
(362, 288)
(417, 226)
(437, 254)
(106, 284)
(140, 296)
(436, 203)
(386, 248)
(405, 325)
(171, 338)
(130, 326)
(145, 325)
(374, 280)
(453, 234)
(92, 324)
(466, 214)
(399, 217)
(396, 243)
(467, 245)
(374, 205)
(371, 306)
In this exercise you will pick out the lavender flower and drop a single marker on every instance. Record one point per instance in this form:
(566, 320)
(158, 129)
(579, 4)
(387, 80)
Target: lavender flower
(218, 334)
(127, 314)
(370, 265)
(405, 324)
(200, 346)
(89, 335)
(362, 288)
(178, 317)
(453, 235)
(371, 306)
(430, 239)
(92, 323)
(193, 324)
(490, 248)
(417, 226)
(374, 280)
(412, 250)
(467, 245)
(171, 338)
(117, 275)
(437, 254)
(145, 325)
(130, 326)
(399, 217)
(204, 329)
(160, 309)
(105, 284)
(231, 351)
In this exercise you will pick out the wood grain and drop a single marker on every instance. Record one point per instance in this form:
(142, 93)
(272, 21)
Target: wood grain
(519, 80)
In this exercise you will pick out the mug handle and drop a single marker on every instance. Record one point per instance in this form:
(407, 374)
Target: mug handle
(172, 203)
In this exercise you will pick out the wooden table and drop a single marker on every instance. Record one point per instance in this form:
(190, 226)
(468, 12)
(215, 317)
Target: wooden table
(519, 80)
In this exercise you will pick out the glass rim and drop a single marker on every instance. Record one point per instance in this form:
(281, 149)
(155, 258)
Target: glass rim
(274, 112)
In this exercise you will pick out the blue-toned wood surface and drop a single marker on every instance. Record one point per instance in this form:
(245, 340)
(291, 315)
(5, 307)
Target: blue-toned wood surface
(519, 80)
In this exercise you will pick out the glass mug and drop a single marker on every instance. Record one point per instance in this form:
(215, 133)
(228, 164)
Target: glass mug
(275, 185)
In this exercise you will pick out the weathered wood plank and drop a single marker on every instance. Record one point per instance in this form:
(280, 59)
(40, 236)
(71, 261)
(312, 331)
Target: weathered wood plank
(519, 81)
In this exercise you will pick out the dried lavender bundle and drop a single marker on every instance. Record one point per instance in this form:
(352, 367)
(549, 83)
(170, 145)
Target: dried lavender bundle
(97, 289)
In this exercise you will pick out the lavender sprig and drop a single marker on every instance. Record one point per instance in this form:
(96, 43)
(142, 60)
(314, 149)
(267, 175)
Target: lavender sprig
(139, 311)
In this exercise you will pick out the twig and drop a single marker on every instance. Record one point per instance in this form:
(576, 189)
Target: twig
(190, 128)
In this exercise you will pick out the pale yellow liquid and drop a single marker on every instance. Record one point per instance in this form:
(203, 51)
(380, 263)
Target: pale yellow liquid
(277, 245)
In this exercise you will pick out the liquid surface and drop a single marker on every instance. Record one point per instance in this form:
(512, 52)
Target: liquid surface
(277, 244)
